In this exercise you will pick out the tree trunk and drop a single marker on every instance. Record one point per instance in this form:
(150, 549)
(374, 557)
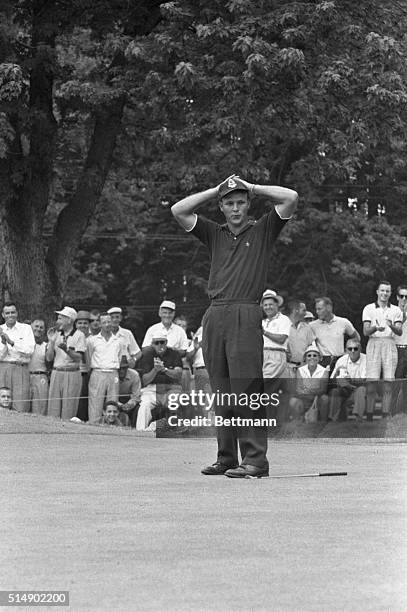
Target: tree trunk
(74, 218)
(32, 273)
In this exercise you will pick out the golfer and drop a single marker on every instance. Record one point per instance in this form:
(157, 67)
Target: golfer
(232, 334)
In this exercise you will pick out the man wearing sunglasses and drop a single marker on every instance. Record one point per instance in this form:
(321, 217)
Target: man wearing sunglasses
(382, 322)
(350, 374)
(400, 384)
(160, 369)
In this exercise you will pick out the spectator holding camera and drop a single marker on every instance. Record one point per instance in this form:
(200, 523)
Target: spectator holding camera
(161, 370)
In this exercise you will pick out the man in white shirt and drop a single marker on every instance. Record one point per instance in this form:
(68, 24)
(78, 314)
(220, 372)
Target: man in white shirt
(65, 348)
(350, 375)
(16, 347)
(131, 348)
(276, 328)
(176, 336)
(382, 322)
(330, 331)
(103, 353)
(38, 368)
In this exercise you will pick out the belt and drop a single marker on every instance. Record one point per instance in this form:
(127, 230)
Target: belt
(200, 368)
(271, 348)
(106, 369)
(401, 345)
(186, 369)
(225, 301)
(66, 369)
(15, 363)
(38, 372)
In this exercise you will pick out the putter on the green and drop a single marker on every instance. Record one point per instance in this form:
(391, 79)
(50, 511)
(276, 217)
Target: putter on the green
(311, 475)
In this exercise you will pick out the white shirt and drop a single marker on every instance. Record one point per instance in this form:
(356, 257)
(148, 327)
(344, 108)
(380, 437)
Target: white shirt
(299, 339)
(197, 360)
(311, 384)
(346, 368)
(319, 372)
(75, 341)
(376, 315)
(330, 335)
(104, 354)
(130, 346)
(280, 324)
(176, 336)
(24, 342)
(37, 361)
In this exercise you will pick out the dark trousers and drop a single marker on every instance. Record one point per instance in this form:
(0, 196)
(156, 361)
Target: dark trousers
(232, 346)
(399, 395)
(82, 412)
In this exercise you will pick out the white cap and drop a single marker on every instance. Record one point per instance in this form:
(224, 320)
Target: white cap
(159, 335)
(67, 311)
(309, 315)
(312, 348)
(168, 304)
(269, 293)
(114, 310)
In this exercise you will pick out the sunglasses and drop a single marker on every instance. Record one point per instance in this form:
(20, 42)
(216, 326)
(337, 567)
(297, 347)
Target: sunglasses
(353, 348)
(159, 341)
(312, 355)
(402, 296)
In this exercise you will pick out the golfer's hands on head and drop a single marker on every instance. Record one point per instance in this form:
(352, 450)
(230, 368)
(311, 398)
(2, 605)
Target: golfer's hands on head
(226, 179)
(248, 185)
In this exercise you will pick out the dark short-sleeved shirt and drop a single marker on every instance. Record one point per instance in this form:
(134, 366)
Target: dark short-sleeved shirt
(170, 358)
(239, 263)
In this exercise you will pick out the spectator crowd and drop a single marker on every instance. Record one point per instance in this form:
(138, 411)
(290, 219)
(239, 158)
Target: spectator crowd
(88, 367)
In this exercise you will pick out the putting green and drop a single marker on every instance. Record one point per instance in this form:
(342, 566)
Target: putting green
(126, 522)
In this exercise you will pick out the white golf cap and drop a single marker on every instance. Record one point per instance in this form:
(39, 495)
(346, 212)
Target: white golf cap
(159, 335)
(312, 348)
(115, 310)
(269, 293)
(168, 304)
(67, 311)
(309, 315)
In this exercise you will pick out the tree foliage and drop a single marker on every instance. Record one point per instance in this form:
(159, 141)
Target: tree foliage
(310, 95)
(121, 108)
